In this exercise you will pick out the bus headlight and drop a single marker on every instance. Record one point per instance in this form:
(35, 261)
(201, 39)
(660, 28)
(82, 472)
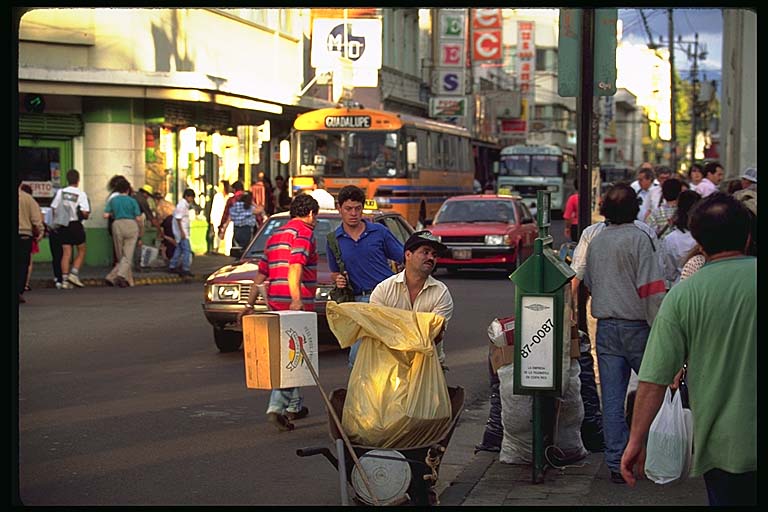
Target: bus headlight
(496, 239)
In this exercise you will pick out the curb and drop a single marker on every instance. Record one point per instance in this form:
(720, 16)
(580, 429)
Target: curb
(137, 281)
(460, 488)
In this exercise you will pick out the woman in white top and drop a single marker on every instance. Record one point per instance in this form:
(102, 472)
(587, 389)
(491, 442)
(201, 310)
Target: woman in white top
(679, 242)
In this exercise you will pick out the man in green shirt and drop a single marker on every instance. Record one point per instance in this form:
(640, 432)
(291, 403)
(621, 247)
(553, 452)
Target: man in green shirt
(710, 321)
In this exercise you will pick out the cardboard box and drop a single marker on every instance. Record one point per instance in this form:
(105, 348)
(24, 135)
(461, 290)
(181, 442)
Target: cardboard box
(502, 356)
(271, 344)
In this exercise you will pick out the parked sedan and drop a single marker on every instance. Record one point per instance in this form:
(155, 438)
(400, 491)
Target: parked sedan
(227, 289)
(484, 231)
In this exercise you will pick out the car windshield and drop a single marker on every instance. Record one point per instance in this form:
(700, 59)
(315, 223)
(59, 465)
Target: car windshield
(324, 226)
(475, 211)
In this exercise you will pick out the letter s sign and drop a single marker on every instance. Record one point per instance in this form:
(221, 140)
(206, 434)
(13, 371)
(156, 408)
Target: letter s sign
(451, 82)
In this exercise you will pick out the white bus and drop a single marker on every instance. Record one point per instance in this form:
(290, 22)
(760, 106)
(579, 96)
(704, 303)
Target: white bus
(525, 169)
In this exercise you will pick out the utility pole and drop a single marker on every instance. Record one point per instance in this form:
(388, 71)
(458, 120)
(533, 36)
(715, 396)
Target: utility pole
(694, 90)
(673, 95)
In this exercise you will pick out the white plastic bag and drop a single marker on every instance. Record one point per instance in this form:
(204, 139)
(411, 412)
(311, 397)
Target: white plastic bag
(667, 448)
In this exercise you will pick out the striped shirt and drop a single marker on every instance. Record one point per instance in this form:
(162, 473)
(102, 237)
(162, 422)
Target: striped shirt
(290, 244)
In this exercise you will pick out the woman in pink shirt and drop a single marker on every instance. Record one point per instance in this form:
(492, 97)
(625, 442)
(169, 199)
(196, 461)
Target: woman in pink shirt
(571, 214)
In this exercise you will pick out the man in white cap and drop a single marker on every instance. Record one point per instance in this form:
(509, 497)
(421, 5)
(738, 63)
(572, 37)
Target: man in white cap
(414, 288)
(748, 192)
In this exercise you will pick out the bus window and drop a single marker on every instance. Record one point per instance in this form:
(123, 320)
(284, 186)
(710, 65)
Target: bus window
(542, 165)
(515, 165)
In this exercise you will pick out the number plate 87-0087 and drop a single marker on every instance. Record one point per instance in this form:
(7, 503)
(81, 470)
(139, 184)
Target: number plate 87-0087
(462, 254)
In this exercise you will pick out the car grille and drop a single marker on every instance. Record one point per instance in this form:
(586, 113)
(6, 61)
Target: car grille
(245, 292)
(480, 239)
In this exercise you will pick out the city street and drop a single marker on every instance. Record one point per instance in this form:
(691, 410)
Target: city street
(125, 400)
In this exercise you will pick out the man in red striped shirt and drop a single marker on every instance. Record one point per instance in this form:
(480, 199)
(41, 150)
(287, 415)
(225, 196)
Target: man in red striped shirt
(627, 286)
(290, 264)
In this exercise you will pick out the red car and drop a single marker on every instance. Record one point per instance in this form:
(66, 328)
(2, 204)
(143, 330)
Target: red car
(484, 231)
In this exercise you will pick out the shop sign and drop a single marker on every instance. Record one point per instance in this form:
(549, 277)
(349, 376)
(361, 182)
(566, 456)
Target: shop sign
(447, 107)
(526, 57)
(357, 41)
(449, 82)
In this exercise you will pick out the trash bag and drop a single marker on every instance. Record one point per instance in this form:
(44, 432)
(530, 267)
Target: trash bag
(569, 418)
(667, 445)
(516, 410)
(397, 395)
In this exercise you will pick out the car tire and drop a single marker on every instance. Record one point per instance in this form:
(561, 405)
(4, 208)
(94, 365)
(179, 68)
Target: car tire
(226, 340)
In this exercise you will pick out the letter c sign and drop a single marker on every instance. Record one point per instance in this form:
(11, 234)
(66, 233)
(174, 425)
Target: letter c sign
(486, 44)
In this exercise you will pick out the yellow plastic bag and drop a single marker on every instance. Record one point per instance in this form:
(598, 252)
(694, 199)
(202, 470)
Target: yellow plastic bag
(397, 396)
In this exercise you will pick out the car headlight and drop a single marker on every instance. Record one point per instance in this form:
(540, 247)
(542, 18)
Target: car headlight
(496, 239)
(226, 292)
(208, 293)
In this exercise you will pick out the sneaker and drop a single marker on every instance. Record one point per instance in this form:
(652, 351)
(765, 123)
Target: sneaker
(297, 415)
(617, 478)
(75, 280)
(279, 421)
(58, 285)
(66, 285)
(121, 282)
(172, 270)
(186, 273)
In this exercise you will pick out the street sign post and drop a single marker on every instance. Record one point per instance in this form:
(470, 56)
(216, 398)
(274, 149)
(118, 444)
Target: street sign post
(541, 318)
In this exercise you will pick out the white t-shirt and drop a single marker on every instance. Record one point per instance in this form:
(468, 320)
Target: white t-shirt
(706, 187)
(181, 213)
(676, 245)
(65, 205)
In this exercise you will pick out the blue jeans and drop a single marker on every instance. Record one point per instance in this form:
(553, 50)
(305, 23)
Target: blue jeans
(729, 489)
(356, 345)
(285, 400)
(182, 255)
(620, 348)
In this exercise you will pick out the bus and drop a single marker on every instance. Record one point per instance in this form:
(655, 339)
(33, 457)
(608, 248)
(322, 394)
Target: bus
(525, 169)
(405, 163)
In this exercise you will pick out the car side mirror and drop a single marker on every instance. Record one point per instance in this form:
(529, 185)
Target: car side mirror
(236, 252)
(527, 220)
(427, 222)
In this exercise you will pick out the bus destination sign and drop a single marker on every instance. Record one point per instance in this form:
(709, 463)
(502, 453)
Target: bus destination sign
(348, 122)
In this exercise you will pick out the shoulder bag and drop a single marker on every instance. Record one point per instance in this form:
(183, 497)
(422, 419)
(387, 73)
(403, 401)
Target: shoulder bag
(337, 294)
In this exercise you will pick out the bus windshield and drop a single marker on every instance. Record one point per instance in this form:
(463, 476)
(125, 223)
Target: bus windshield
(530, 165)
(351, 154)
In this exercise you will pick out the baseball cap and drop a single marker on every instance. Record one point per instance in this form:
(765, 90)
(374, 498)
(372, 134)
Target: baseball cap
(750, 173)
(148, 188)
(424, 237)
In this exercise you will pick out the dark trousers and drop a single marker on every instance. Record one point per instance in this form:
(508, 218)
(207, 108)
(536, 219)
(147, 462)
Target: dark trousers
(592, 425)
(54, 241)
(729, 489)
(494, 431)
(575, 233)
(24, 255)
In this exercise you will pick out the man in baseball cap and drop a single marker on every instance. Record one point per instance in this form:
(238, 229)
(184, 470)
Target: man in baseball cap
(414, 288)
(748, 192)
(420, 238)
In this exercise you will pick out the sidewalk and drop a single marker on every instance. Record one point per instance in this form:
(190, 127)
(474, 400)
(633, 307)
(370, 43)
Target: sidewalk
(469, 479)
(202, 266)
